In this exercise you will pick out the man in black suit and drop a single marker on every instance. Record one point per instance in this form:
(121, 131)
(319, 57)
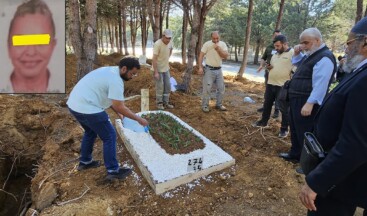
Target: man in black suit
(339, 183)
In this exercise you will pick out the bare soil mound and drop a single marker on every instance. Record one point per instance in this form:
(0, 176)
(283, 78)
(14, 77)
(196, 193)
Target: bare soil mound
(259, 184)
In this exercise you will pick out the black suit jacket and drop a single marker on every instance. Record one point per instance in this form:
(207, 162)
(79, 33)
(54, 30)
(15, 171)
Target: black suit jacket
(341, 128)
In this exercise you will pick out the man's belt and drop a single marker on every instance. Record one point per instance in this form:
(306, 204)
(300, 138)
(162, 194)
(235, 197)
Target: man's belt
(213, 68)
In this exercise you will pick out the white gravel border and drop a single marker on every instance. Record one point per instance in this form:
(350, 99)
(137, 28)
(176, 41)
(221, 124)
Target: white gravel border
(164, 167)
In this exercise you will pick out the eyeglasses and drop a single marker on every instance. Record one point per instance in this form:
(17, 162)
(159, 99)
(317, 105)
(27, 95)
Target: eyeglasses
(350, 41)
(133, 74)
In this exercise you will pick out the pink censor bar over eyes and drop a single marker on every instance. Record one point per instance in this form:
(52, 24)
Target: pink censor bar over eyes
(32, 39)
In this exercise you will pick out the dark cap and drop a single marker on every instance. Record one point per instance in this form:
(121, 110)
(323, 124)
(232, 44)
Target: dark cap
(360, 27)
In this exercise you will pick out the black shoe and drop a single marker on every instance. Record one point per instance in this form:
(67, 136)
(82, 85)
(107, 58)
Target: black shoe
(288, 157)
(260, 109)
(300, 171)
(121, 174)
(259, 124)
(283, 133)
(93, 164)
(275, 114)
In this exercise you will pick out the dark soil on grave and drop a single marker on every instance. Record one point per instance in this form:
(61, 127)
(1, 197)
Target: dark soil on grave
(171, 135)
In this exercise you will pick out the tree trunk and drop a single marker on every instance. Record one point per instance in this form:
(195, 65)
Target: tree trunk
(199, 43)
(167, 13)
(359, 11)
(154, 17)
(235, 53)
(124, 38)
(184, 33)
(85, 45)
(191, 49)
(161, 18)
(98, 37)
(247, 39)
(256, 57)
(110, 34)
(144, 31)
(120, 26)
(280, 14)
(117, 37)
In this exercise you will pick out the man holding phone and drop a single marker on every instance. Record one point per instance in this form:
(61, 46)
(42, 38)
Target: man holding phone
(215, 51)
(265, 61)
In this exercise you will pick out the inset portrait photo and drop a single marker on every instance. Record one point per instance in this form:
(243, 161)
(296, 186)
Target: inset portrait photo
(32, 46)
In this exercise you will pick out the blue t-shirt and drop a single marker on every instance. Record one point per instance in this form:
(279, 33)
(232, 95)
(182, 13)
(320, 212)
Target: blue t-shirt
(96, 90)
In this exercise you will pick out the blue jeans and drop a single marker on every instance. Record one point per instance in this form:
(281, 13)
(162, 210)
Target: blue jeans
(97, 124)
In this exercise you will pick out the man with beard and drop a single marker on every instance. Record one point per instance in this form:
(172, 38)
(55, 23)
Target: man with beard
(264, 62)
(95, 92)
(280, 68)
(338, 184)
(308, 86)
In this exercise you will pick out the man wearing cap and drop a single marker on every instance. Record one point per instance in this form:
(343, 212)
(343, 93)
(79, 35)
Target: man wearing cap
(161, 52)
(308, 86)
(338, 184)
(215, 51)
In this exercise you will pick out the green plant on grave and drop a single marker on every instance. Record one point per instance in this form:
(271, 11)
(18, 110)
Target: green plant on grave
(164, 128)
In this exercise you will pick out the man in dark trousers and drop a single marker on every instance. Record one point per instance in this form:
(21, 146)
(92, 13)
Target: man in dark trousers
(339, 183)
(264, 62)
(308, 86)
(279, 72)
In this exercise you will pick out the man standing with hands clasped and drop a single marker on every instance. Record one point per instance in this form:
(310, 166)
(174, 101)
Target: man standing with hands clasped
(215, 51)
(308, 86)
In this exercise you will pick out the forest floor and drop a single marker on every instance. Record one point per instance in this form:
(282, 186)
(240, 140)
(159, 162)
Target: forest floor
(44, 138)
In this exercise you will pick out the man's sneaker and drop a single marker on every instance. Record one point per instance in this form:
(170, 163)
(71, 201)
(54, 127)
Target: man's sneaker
(160, 106)
(221, 108)
(260, 109)
(300, 171)
(121, 174)
(205, 109)
(275, 114)
(259, 124)
(168, 106)
(93, 164)
(283, 134)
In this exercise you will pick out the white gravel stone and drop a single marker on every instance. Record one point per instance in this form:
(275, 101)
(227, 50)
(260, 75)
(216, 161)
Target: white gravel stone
(162, 166)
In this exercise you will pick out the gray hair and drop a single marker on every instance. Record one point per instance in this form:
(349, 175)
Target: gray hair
(312, 32)
(214, 32)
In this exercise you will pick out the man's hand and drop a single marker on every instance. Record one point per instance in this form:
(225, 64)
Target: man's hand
(156, 75)
(259, 69)
(307, 109)
(120, 115)
(307, 197)
(143, 122)
(297, 49)
(269, 67)
(200, 71)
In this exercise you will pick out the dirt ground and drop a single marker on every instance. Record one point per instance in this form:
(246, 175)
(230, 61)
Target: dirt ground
(42, 136)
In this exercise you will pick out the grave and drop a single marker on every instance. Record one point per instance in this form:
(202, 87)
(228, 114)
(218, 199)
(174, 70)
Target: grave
(162, 170)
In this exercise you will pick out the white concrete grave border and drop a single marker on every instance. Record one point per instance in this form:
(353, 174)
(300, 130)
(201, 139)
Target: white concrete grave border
(164, 171)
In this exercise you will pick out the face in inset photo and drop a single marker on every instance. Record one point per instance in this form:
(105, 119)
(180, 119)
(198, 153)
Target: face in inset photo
(35, 46)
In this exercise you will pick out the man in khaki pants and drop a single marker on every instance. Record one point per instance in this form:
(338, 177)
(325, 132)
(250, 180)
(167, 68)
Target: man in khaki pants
(215, 51)
(161, 52)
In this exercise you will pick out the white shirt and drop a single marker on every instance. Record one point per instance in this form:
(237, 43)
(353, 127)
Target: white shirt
(96, 90)
(54, 84)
